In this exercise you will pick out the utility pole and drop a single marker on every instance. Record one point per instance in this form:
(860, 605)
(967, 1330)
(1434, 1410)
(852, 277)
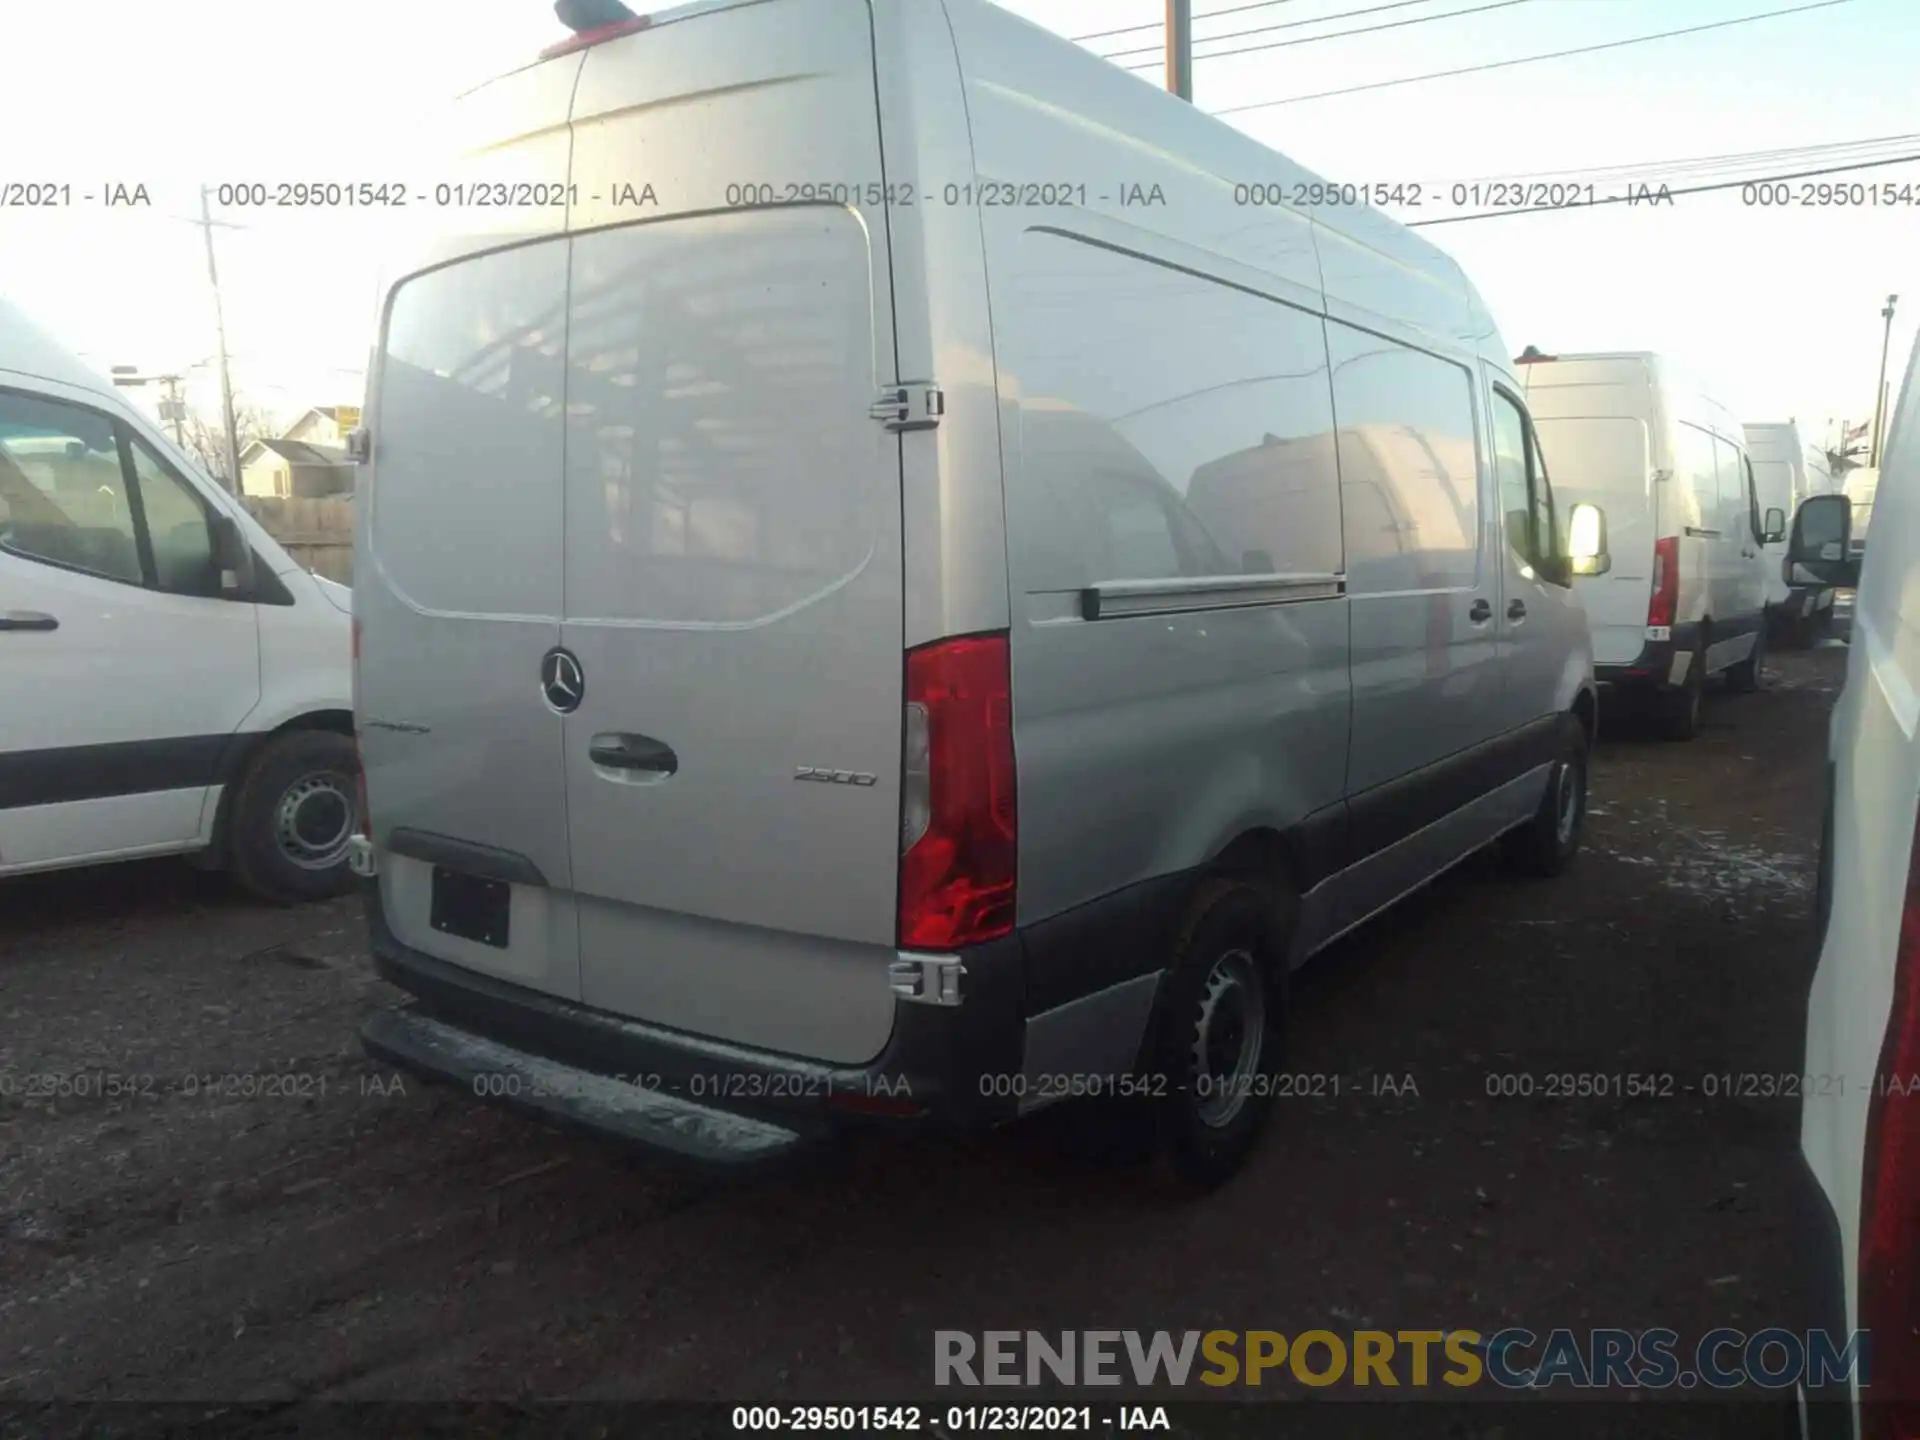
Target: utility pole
(171, 409)
(1880, 393)
(1180, 48)
(220, 333)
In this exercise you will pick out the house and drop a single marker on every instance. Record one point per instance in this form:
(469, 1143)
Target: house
(308, 460)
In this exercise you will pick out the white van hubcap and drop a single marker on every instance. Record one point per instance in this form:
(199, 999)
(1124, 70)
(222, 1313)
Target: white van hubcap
(314, 821)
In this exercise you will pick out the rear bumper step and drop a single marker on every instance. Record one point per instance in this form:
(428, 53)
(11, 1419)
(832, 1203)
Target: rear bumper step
(551, 1090)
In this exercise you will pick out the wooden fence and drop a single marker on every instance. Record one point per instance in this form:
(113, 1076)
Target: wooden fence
(318, 533)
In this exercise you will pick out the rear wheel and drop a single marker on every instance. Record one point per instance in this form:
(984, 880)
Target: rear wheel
(1220, 1034)
(292, 818)
(1748, 676)
(1546, 844)
(1679, 710)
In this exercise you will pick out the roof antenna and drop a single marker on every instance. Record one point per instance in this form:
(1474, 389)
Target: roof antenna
(581, 16)
(1531, 353)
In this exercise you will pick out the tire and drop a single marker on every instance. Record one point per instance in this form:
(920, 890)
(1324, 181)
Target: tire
(1546, 844)
(1679, 711)
(1220, 1032)
(295, 809)
(1749, 675)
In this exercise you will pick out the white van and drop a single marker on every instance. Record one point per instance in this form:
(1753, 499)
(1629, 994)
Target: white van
(1859, 1178)
(1686, 596)
(937, 610)
(171, 680)
(1786, 471)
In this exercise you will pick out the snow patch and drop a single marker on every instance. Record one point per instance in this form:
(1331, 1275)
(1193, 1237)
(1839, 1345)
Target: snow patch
(1707, 863)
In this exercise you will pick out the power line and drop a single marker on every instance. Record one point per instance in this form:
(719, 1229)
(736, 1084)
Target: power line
(1829, 149)
(1689, 190)
(1358, 29)
(1531, 59)
(1269, 29)
(1156, 24)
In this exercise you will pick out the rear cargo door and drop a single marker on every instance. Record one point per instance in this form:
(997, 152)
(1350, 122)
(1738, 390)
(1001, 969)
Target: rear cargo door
(733, 570)
(1606, 461)
(458, 575)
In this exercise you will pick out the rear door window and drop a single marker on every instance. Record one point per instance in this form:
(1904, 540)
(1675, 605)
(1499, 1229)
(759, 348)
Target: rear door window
(720, 463)
(467, 506)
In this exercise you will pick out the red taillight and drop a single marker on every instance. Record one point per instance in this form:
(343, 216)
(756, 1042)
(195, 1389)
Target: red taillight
(595, 36)
(1666, 581)
(957, 836)
(1890, 1197)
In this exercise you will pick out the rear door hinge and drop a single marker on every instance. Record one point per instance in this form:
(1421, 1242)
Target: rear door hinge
(910, 405)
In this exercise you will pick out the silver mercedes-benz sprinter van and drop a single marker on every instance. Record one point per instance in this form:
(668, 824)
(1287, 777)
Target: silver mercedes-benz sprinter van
(903, 577)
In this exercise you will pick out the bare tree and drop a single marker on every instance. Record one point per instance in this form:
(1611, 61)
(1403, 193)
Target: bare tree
(206, 438)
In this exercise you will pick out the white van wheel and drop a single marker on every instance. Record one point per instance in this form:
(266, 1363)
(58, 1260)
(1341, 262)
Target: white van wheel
(292, 818)
(1748, 676)
(1681, 710)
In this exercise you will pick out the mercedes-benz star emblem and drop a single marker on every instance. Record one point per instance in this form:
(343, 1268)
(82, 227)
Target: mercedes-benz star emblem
(561, 681)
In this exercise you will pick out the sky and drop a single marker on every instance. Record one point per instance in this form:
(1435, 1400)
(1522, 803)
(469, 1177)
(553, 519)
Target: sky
(1778, 309)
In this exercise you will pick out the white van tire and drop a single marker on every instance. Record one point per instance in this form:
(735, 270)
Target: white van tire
(1679, 711)
(295, 809)
(1225, 991)
(1546, 844)
(1749, 675)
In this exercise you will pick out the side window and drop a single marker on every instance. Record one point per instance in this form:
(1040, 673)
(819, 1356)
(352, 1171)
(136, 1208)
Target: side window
(1700, 475)
(63, 496)
(1731, 484)
(177, 524)
(1753, 499)
(1510, 455)
(1218, 460)
(1409, 468)
(1546, 523)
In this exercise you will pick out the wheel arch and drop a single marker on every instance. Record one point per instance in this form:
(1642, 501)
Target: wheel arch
(239, 756)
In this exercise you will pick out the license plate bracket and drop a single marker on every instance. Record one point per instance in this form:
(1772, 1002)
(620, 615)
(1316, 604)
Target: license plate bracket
(471, 907)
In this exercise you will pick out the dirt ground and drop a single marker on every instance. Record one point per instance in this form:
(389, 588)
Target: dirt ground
(197, 1237)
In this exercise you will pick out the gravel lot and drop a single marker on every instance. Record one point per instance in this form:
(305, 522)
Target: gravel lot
(370, 1237)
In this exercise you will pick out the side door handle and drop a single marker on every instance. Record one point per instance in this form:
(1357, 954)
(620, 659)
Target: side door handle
(27, 620)
(1517, 610)
(1480, 611)
(633, 752)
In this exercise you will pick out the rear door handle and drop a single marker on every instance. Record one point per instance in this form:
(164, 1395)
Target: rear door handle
(1480, 612)
(27, 620)
(1517, 610)
(633, 752)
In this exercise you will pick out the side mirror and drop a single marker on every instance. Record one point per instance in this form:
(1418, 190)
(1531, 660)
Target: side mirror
(1774, 530)
(1818, 550)
(234, 557)
(1587, 541)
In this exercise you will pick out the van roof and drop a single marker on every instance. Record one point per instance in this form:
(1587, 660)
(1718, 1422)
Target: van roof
(26, 349)
(1175, 130)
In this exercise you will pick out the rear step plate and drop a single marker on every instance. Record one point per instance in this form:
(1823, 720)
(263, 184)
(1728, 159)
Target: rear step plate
(572, 1096)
